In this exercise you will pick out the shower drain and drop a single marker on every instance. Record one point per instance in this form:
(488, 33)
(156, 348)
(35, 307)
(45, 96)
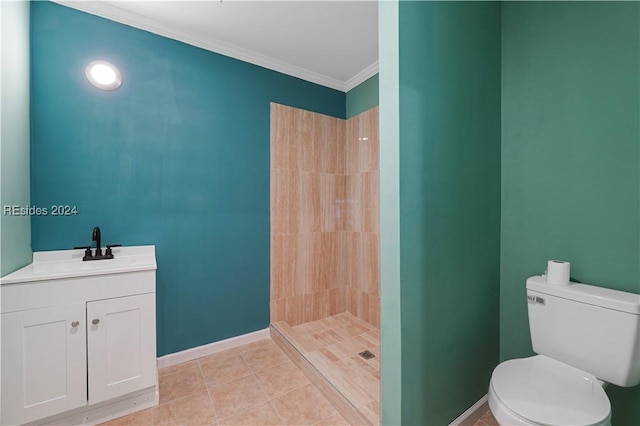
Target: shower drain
(366, 355)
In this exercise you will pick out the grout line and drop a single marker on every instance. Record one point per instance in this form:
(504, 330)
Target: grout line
(269, 399)
(172, 374)
(216, 357)
(179, 399)
(206, 386)
(261, 386)
(330, 415)
(250, 407)
(277, 412)
(292, 389)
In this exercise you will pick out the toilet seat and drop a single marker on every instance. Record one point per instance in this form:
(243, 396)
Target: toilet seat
(542, 391)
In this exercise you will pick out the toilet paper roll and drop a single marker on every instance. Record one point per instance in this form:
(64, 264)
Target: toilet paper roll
(558, 272)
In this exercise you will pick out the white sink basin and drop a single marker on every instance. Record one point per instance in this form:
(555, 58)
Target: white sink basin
(69, 264)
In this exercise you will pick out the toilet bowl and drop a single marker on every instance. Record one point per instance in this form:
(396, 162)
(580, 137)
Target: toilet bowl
(542, 391)
(582, 334)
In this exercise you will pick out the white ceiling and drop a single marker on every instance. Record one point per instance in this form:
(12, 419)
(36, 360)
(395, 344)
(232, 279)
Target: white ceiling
(332, 43)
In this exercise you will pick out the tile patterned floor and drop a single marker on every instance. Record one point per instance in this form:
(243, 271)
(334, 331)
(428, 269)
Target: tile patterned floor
(255, 384)
(487, 419)
(332, 345)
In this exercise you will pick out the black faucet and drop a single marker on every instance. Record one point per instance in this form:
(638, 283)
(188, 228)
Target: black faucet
(97, 237)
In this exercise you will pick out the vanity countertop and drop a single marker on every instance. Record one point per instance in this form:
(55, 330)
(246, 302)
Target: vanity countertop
(60, 264)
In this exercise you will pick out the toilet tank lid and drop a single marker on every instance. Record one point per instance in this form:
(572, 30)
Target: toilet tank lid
(589, 294)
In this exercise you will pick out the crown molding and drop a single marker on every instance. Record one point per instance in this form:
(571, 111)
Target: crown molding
(362, 76)
(114, 13)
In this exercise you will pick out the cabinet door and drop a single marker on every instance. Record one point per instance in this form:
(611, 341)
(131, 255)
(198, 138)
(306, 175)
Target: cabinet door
(44, 370)
(121, 344)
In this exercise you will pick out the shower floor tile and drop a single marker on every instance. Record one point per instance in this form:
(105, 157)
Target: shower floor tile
(332, 345)
(255, 384)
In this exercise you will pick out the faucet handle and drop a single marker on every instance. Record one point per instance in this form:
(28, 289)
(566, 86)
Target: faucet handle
(109, 254)
(87, 252)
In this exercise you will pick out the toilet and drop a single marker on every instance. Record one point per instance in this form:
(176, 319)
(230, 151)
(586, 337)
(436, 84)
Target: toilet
(585, 337)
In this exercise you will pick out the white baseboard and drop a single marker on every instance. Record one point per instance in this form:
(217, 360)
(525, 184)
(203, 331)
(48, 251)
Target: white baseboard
(472, 414)
(103, 411)
(212, 348)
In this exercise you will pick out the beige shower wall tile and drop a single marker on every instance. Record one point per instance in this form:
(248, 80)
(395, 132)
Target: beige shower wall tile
(278, 310)
(369, 263)
(374, 311)
(328, 274)
(354, 203)
(368, 136)
(317, 262)
(294, 310)
(354, 256)
(363, 307)
(302, 263)
(336, 301)
(362, 251)
(324, 143)
(351, 301)
(283, 269)
(341, 165)
(327, 202)
(339, 203)
(347, 299)
(283, 151)
(283, 201)
(351, 151)
(370, 199)
(321, 266)
(320, 304)
(332, 143)
(362, 142)
(307, 308)
(309, 213)
(374, 129)
(346, 259)
(325, 206)
(309, 152)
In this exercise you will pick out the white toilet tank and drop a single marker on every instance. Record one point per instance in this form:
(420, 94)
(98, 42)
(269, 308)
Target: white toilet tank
(594, 329)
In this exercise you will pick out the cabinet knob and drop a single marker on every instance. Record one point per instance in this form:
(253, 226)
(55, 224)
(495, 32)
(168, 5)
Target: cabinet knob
(95, 321)
(75, 324)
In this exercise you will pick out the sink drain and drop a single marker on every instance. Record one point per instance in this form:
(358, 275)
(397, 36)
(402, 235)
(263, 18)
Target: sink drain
(366, 355)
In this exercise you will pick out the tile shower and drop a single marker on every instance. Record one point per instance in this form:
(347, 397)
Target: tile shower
(325, 300)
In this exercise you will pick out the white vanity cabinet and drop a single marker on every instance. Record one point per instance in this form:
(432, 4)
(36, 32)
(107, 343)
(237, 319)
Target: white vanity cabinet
(121, 346)
(74, 344)
(44, 369)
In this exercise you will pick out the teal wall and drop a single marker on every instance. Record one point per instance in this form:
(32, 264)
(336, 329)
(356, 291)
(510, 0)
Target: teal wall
(363, 97)
(15, 231)
(570, 156)
(449, 103)
(177, 157)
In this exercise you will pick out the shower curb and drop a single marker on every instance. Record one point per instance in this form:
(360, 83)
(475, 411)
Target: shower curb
(337, 399)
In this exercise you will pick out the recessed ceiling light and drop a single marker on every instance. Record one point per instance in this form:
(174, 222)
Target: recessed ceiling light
(103, 75)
